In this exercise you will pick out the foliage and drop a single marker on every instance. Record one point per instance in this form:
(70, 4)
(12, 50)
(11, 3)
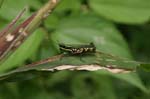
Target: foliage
(106, 23)
(129, 11)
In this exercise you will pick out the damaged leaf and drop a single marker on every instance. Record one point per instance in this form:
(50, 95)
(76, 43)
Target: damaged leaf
(94, 62)
(101, 63)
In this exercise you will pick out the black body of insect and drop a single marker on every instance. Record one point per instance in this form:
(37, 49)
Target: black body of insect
(77, 50)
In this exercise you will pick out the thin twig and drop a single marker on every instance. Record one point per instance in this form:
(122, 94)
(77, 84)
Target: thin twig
(48, 60)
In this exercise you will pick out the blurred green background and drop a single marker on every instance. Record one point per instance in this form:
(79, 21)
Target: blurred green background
(116, 27)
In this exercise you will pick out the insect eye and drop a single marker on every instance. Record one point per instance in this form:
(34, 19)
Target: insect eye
(73, 49)
(92, 44)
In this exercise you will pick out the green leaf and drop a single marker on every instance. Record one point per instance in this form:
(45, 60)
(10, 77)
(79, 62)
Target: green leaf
(66, 5)
(145, 67)
(87, 84)
(101, 59)
(51, 22)
(9, 9)
(123, 11)
(85, 29)
(88, 28)
(59, 64)
(133, 79)
(23, 52)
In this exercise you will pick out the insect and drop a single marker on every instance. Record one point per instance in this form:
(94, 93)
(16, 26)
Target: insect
(77, 50)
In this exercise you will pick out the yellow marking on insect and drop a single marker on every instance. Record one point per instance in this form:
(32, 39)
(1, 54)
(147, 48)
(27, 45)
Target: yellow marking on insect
(9, 37)
(74, 49)
(80, 50)
(91, 49)
(77, 49)
(86, 49)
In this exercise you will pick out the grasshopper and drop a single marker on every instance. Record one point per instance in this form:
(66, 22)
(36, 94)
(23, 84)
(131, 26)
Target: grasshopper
(78, 49)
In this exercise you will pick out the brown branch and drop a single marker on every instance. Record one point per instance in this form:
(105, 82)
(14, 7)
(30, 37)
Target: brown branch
(12, 23)
(15, 38)
(48, 60)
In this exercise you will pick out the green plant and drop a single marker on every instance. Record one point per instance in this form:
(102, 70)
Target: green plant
(103, 22)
